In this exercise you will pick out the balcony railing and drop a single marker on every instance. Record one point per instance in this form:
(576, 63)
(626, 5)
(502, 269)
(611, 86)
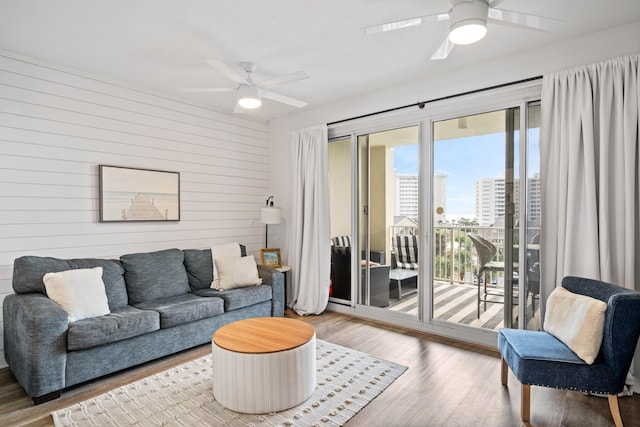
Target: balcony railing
(455, 259)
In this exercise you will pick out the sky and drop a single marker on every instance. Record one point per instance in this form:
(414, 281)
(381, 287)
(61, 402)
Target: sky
(139, 180)
(463, 161)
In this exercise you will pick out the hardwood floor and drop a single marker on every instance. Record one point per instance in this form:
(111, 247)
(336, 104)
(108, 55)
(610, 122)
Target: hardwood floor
(448, 383)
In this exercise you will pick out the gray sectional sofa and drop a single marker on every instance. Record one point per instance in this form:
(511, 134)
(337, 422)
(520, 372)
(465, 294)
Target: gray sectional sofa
(160, 302)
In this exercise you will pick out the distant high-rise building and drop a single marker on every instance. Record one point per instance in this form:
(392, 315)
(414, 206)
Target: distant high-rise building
(533, 198)
(407, 196)
(491, 200)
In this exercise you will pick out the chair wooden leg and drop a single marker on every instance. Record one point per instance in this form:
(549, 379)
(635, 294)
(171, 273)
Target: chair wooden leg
(504, 371)
(615, 410)
(525, 402)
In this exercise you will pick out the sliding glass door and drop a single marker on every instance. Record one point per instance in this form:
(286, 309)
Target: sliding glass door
(386, 165)
(435, 217)
(475, 270)
(483, 210)
(388, 207)
(529, 234)
(340, 184)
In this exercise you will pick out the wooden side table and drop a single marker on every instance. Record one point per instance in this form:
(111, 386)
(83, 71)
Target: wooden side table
(253, 361)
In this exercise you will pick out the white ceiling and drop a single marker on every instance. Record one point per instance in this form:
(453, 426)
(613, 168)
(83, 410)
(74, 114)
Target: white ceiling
(162, 44)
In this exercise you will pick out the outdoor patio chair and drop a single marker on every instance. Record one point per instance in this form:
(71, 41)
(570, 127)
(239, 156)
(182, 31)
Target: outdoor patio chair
(540, 358)
(405, 252)
(486, 264)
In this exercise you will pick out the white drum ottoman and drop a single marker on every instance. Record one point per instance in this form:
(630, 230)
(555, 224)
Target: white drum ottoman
(265, 364)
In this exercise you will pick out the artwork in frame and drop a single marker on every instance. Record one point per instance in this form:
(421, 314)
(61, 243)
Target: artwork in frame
(270, 257)
(130, 194)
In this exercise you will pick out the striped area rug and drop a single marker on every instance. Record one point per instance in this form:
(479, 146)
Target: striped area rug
(458, 303)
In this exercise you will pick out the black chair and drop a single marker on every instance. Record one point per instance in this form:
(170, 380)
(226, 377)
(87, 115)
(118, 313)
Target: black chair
(341, 272)
(341, 278)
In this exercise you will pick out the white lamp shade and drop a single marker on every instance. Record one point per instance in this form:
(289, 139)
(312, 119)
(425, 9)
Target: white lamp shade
(270, 215)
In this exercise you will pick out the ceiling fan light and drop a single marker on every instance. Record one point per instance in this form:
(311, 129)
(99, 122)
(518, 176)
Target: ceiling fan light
(468, 21)
(468, 31)
(249, 103)
(249, 97)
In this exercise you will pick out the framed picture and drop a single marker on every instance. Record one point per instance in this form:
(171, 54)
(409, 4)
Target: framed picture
(128, 194)
(270, 257)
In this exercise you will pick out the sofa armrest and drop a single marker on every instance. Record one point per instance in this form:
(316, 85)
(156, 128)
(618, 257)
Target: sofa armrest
(35, 342)
(275, 279)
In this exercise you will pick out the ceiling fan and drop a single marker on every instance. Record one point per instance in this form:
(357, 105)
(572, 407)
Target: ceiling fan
(468, 23)
(251, 93)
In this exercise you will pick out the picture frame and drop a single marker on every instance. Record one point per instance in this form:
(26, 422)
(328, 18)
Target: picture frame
(270, 257)
(137, 195)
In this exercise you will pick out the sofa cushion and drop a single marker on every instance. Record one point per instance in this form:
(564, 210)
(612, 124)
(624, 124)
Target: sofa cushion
(240, 297)
(341, 241)
(236, 272)
(199, 266)
(154, 275)
(28, 272)
(120, 324)
(183, 309)
(225, 250)
(112, 276)
(80, 292)
(405, 252)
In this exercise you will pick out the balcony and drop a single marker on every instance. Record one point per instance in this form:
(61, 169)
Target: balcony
(455, 288)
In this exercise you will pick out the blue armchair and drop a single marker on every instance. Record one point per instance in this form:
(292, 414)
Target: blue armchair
(538, 358)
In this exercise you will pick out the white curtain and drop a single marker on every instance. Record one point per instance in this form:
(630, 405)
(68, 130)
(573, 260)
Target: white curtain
(590, 174)
(309, 241)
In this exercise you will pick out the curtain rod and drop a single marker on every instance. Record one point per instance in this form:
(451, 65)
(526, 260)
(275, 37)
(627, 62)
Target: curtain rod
(421, 104)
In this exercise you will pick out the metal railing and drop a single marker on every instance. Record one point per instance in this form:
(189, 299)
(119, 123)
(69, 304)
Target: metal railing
(455, 259)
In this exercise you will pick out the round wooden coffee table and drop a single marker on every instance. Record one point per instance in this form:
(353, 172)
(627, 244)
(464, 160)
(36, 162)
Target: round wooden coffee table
(262, 365)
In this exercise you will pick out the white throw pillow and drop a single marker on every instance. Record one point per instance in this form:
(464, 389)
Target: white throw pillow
(236, 272)
(80, 292)
(226, 250)
(576, 320)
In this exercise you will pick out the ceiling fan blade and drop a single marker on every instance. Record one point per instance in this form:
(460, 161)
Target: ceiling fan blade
(507, 17)
(495, 3)
(207, 89)
(406, 23)
(227, 71)
(282, 98)
(444, 49)
(277, 81)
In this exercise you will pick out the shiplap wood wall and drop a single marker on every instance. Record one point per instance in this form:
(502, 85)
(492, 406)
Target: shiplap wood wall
(57, 125)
